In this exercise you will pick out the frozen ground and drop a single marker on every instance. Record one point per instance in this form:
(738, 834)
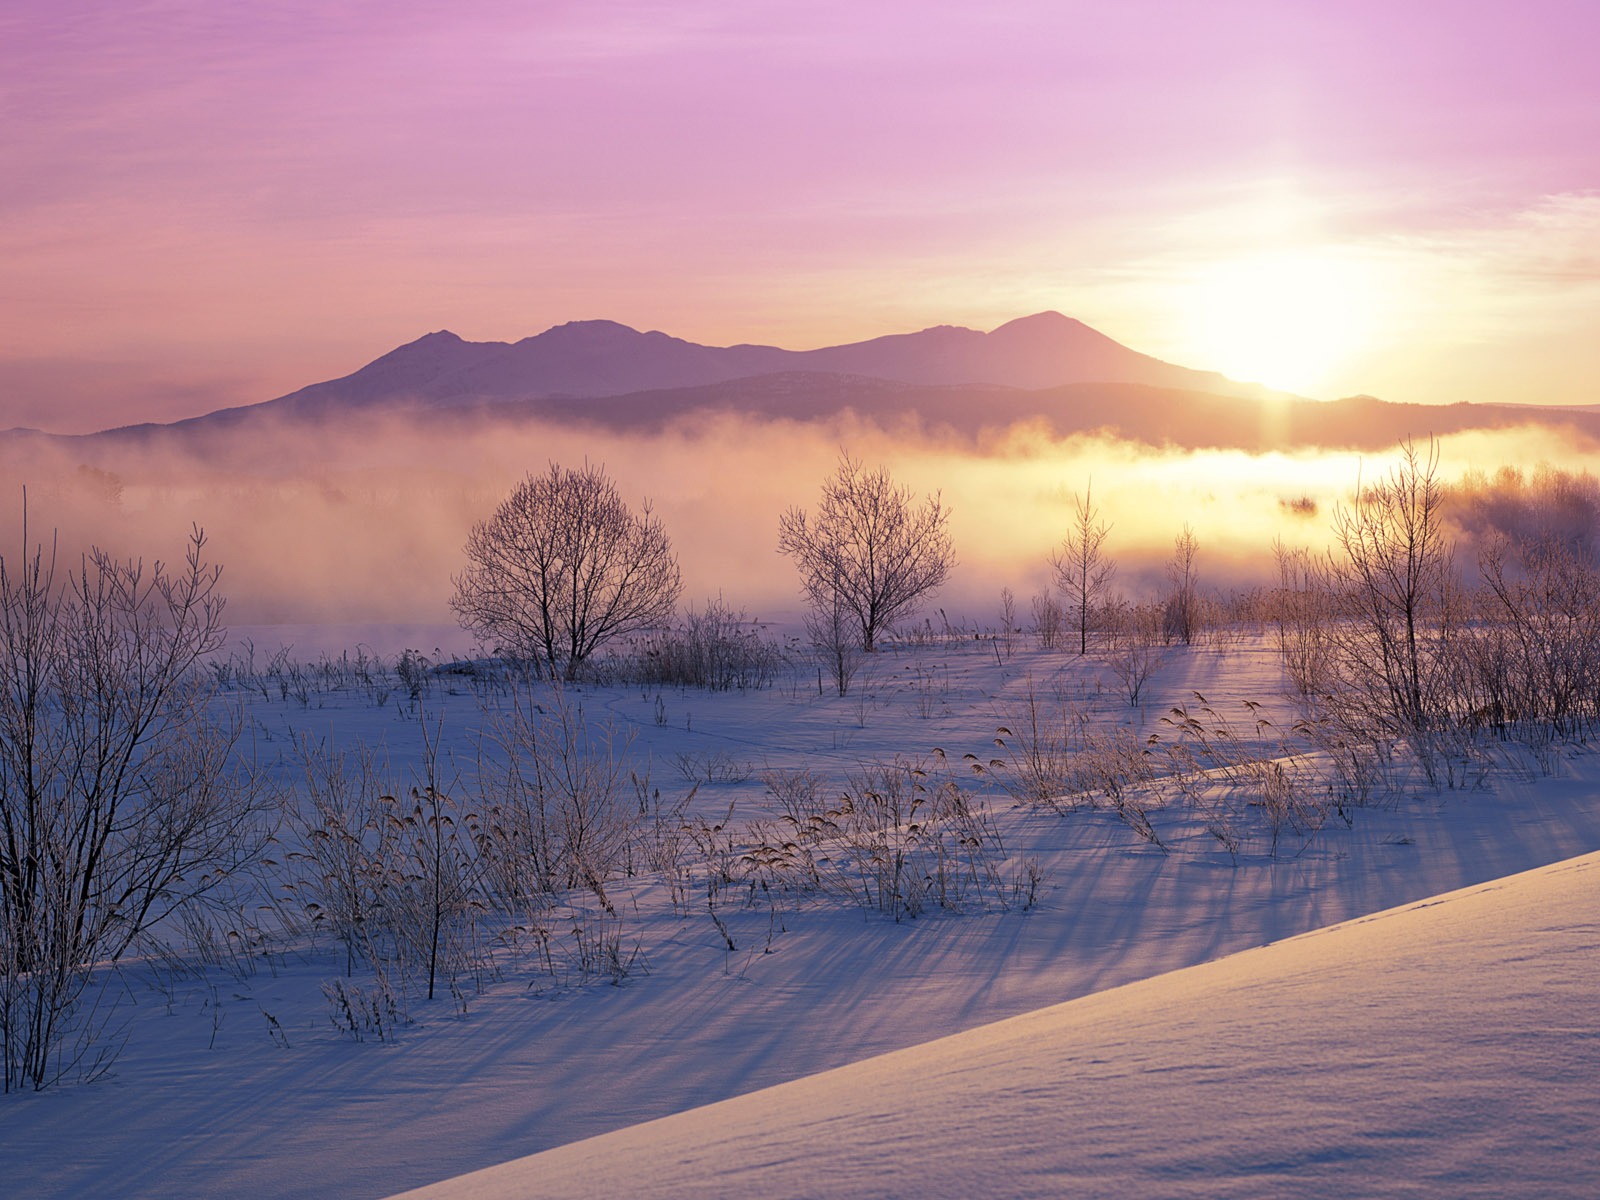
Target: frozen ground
(234, 1082)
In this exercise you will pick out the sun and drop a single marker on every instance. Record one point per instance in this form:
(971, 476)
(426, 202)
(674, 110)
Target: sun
(1290, 319)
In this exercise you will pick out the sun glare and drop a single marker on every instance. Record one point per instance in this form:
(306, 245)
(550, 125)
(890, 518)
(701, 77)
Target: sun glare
(1289, 319)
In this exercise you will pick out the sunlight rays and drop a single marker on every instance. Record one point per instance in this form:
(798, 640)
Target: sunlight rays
(1288, 318)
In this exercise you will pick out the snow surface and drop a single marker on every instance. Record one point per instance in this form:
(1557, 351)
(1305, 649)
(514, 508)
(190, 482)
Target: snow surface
(1445, 1048)
(234, 1081)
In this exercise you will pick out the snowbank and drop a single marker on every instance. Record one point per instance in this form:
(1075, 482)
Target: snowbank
(1449, 1047)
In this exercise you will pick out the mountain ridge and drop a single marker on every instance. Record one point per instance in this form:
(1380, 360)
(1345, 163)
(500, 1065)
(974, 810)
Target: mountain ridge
(603, 358)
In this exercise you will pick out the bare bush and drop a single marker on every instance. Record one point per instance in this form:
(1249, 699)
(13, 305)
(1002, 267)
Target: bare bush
(392, 872)
(1535, 653)
(414, 672)
(554, 809)
(434, 891)
(1134, 649)
(717, 649)
(1042, 738)
(711, 766)
(1395, 565)
(426, 884)
(342, 845)
(1049, 621)
(834, 639)
(905, 839)
(900, 838)
(1302, 606)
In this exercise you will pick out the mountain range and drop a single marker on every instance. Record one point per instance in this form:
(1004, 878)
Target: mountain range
(1046, 367)
(591, 360)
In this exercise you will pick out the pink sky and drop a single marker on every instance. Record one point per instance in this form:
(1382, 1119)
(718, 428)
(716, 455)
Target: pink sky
(205, 204)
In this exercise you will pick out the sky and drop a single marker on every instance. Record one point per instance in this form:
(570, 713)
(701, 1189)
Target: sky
(208, 204)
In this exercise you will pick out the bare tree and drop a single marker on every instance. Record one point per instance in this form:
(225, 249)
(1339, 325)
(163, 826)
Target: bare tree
(121, 797)
(1183, 601)
(870, 553)
(828, 627)
(1392, 567)
(562, 567)
(1083, 568)
(1008, 618)
(1536, 652)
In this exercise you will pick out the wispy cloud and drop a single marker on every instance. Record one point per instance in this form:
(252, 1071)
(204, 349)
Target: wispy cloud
(191, 181)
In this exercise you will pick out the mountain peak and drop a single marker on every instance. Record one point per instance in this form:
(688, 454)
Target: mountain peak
(593, 325)
(588, 331)
(1048, 324)
(1048, 319)
(438, 340)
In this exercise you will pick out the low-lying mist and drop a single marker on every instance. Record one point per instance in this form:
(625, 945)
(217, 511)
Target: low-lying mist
(363, 522)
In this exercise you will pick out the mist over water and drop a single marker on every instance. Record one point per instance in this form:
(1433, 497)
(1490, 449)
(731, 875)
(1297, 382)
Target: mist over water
(350, 533)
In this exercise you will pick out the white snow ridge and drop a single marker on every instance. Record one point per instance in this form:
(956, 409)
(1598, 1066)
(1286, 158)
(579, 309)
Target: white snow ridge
(1449, 1047)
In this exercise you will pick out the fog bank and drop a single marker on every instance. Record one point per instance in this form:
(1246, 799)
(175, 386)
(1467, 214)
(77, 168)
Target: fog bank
(364, 521)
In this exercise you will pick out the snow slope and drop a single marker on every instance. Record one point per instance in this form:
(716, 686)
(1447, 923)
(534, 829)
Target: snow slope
(1450, 1047)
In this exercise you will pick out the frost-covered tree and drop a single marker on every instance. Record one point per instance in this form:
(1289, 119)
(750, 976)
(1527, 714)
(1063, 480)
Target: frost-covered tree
(1084, 569)
(1182, 615)
(564, 566)
(1392, 569)
(869, 554)
(121, 797)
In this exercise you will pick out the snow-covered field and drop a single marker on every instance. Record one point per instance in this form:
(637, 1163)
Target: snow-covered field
(235, 1080)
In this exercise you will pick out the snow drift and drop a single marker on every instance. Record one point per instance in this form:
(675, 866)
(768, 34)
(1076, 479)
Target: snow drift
(1446, 1047)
